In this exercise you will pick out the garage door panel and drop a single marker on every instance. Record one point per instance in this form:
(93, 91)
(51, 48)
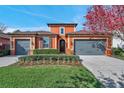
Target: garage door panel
(89, 47)
(22, 47)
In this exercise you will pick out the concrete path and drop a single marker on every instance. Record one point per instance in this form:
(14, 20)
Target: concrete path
(8, 60)
(110, 71)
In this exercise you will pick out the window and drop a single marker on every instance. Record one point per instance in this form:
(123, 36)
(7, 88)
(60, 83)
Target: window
(46, 42)
(62, 30)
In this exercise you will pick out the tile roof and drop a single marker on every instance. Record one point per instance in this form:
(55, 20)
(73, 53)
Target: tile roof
(84, 32)
(18, 32)
(2, 35)
(75, 24)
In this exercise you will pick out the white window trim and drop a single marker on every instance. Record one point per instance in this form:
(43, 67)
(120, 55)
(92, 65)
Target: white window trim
(49, 29)
(60, 30)
(48, 44)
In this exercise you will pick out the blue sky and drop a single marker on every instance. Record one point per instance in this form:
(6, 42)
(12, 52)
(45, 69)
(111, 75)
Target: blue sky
(36, 17)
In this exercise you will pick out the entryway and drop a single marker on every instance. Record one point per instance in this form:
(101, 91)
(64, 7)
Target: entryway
(62, 46)
(109, 70)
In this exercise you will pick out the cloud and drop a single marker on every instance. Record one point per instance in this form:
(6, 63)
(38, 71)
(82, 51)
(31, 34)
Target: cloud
(32, 13)
(78, 19)
(10, 30)
(42, 28)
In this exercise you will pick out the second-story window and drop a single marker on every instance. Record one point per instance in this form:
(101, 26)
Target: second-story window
(62, 30)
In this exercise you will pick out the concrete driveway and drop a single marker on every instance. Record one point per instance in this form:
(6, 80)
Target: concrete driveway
(8, 60)
(110, 71)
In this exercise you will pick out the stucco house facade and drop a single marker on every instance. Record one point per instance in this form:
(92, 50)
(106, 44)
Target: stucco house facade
(4, 41)
(117, 43)
(65, 38)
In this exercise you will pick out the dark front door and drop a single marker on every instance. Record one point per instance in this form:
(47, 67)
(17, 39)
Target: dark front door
(62, 46)
(22, 46)
(89, 47)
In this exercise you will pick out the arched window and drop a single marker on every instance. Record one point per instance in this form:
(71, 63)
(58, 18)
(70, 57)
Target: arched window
(62, 30)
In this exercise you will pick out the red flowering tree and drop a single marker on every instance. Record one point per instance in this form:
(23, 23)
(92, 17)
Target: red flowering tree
(106, 19)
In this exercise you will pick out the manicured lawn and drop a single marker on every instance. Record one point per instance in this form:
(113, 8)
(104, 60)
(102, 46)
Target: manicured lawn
(52, 76)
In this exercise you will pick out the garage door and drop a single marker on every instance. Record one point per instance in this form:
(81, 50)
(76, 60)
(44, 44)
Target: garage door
(89, 47)
(22, 47)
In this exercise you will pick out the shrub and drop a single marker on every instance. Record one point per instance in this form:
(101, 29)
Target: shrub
(50, 59)
(117, 51)
(45, 51)
(4, 52)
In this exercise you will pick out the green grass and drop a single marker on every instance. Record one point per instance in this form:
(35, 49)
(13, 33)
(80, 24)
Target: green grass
(47, 76)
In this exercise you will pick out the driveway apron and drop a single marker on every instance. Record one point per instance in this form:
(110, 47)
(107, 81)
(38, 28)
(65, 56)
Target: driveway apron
(8, 60)
(110, 71)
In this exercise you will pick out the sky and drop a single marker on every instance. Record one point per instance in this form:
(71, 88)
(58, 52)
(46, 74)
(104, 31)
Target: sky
(36, 17)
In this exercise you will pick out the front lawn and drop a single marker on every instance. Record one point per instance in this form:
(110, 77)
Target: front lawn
(52, 76)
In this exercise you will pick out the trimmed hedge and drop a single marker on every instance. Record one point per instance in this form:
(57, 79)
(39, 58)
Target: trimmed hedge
(49, 59)
(4, 52)
(45, 51)
(117, 51)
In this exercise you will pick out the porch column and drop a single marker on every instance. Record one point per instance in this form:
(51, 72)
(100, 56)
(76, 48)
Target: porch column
(55, 42)
(12, 46)
(68, 42)
(108, 47)
(32, 45)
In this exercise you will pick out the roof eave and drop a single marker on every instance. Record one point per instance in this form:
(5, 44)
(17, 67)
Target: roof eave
(75, 24)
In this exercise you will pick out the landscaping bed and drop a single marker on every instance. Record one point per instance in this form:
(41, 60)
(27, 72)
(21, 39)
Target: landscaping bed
(45, 51)
(41, 59)
(118, 53)
(47, 76)
(4, 52)
(119, 57)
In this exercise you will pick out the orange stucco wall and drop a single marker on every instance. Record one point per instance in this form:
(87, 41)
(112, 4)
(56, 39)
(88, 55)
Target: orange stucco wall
(33, 43)
(68, 29)
(38, 42)
(69, 40)
(108, 40)
(54, 42)
(55, 29)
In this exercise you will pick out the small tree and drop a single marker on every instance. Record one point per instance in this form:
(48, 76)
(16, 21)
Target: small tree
(118, 20)
(106, 19)
(3, 27)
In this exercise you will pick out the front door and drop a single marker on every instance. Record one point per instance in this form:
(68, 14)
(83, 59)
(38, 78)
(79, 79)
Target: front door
(62, 46)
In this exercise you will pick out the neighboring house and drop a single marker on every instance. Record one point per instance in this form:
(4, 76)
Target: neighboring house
(117, 43)
(65, 38)
(4, 41)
